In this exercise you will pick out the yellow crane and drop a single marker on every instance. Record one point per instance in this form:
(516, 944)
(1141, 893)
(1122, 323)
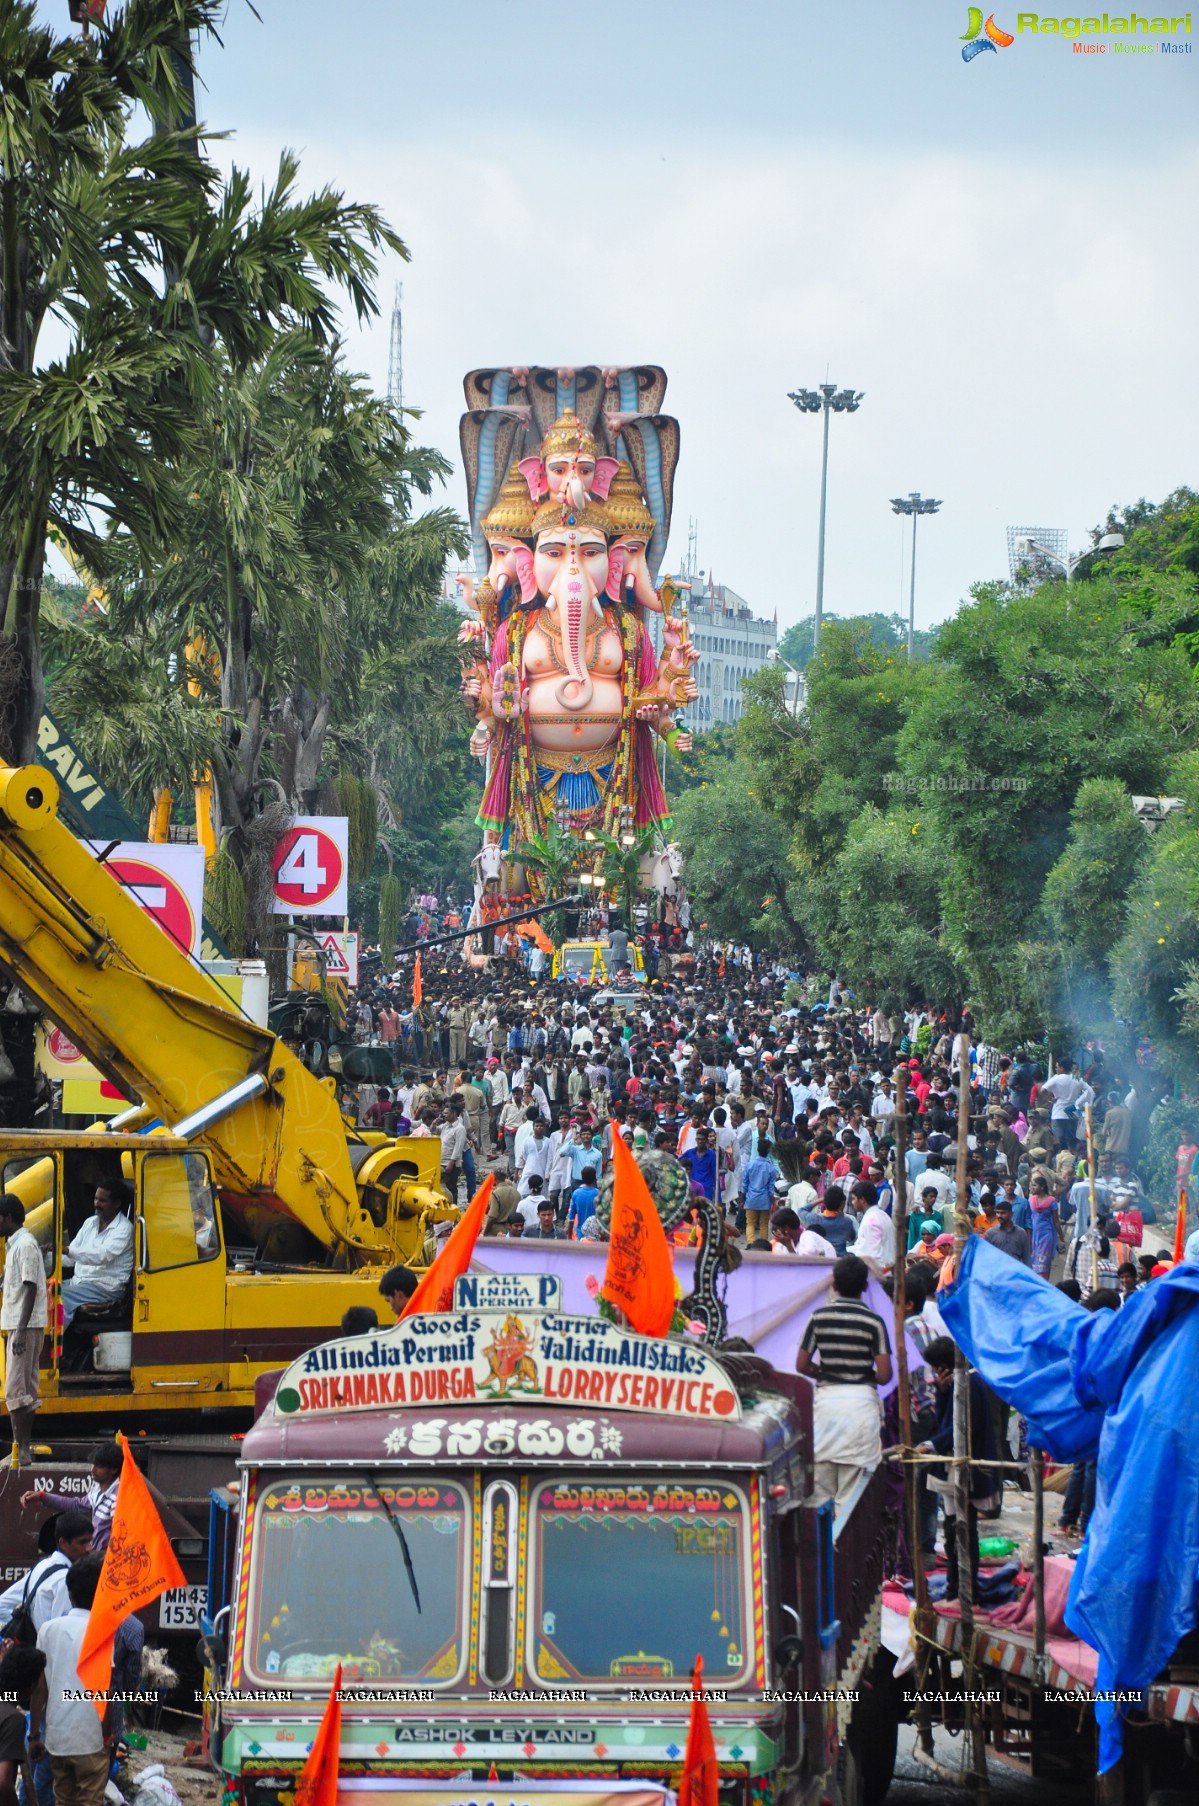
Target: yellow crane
(260, 1214)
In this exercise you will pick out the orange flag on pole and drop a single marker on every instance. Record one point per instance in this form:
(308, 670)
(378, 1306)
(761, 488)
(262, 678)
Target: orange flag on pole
(418, 989)
(139, 1564)
(436, 1290)
(1180, 1228)
(699, 1784)
(317, 1785)
(639, 1279)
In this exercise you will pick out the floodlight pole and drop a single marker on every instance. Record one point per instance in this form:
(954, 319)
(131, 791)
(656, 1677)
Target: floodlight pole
(915, 505)
(827, 399)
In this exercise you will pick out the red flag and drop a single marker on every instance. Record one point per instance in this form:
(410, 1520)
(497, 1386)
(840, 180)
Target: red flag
(317, 1785)
(1180, 1229)
(639, 1279)
(418, 989)
(436, 1290)
(699, 1784)
(139, 1564)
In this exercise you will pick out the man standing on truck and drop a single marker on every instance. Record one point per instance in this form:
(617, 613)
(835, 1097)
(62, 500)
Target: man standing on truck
(23, 1321)
(854, 1360)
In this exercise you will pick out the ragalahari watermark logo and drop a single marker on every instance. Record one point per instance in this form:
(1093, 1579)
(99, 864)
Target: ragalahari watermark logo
(1131, 34)
(978, 37)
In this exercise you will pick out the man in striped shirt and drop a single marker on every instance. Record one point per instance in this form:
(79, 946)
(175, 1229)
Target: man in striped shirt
(101, 1496)
(846, 1351)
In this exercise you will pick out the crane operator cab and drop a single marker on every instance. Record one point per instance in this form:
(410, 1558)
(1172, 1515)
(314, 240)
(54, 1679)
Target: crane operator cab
(125, 1241)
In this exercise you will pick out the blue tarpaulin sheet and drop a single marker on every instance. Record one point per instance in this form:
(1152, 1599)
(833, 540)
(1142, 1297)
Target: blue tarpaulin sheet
(1122, 1386)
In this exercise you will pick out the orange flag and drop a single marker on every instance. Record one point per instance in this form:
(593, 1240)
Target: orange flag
(639, 1279)
(436, 1290)
(699, 1784)
(139, 1564)
(317, 1785)
(418, 989)
(1180, 1228)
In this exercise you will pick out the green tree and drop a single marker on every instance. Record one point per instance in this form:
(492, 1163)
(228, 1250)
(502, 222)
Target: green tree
(554, 855)
(622, 866)
(739, 872)
(1153, 962)
(157, 270)
(878, 915)
(1085, 901)
(889, 633)
(709, 752)
(1027, 697)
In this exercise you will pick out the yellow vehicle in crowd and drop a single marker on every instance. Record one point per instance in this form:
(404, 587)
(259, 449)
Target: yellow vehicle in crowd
(593, 963)
(259, 1213)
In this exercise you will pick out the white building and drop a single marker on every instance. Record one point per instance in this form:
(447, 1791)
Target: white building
(732, 642)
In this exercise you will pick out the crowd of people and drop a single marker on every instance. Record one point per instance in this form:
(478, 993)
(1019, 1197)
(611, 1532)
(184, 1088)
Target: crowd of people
(783, 1108)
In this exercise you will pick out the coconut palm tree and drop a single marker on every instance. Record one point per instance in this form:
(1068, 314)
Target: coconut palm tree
(553, 854)
(621, 868)
(161, 273)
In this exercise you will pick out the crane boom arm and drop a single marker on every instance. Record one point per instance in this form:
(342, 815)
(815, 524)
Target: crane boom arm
(159, 1027)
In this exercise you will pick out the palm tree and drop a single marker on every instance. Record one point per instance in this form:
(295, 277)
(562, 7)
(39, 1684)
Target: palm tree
(311, 593)
(553, 855)
(621, 868)
(160, 273)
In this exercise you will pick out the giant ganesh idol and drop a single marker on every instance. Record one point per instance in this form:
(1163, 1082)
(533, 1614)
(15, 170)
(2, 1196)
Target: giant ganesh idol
(570, 475)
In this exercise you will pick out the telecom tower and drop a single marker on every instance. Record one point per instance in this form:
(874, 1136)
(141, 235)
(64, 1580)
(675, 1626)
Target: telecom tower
(395, 361)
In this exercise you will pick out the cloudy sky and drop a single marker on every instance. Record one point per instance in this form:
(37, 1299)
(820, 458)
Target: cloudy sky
(756, 194)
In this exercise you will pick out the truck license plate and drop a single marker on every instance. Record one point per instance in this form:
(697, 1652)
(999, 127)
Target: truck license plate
(179, 1608)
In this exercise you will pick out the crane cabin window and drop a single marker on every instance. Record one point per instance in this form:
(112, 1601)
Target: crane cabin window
(179, 1211)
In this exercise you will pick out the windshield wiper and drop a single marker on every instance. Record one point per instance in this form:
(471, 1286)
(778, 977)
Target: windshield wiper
(403, 1540)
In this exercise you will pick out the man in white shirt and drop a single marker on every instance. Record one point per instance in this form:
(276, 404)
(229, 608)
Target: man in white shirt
(23, 1321)
(934, 1177)
(74, 1737)
(533, 1157)
(802, 1196)
(1070, 1095)
(102, 1252)
(883, 1103)
(43, 1589)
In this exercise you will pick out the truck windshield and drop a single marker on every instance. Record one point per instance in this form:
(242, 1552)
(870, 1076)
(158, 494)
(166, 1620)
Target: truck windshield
(631, 1582)
(577, 959)
(329, 1582)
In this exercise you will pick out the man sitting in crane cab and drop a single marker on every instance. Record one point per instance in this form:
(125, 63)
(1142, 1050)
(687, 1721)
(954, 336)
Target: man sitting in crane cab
(101, 1252)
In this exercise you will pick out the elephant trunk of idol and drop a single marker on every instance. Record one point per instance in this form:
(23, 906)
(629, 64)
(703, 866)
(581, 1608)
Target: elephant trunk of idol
(574, 607)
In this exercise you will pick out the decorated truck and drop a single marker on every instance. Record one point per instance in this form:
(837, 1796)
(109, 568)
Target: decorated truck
(514, 1530)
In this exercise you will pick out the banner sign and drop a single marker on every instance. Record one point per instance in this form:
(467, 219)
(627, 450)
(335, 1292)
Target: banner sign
(92, 808)
(454, 1357)
(311, 864)
(507, 1292)
(167, 881)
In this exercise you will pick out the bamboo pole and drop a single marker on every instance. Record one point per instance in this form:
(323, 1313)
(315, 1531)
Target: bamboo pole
(1094, 1201)
(963, 1229)
(1036, 1461)
(922, 1718)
